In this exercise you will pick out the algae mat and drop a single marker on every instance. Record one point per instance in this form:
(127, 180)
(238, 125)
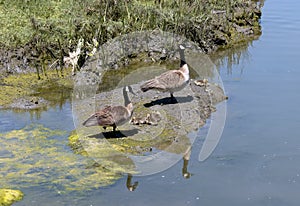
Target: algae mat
(8, 196)
(39, 156)
(16, 90)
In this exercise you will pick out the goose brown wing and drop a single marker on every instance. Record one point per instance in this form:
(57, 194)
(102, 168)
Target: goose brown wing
(171, 79)
(105, 116)
(165, 81)
(113, 115)
(120, 114)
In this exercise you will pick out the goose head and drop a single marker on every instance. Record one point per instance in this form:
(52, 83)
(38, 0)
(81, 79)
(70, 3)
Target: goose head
(181, 53)
(183, 65)
(182, 47)
(128, 89)
(128, 103)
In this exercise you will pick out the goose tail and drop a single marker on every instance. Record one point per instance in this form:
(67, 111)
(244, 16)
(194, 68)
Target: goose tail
(150, 84)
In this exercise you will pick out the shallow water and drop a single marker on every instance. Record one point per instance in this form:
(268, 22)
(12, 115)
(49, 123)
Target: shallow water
(257, 160)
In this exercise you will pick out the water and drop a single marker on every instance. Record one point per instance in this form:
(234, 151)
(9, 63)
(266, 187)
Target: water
(257, 159)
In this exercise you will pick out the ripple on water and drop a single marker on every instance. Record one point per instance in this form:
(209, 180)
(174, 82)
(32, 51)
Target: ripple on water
(282, 171)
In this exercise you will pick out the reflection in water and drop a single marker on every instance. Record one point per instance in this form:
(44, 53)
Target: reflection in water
(63, 96)
(186, 159)
(237, 55)
(131, 187)
(55, 95)
(34, 113)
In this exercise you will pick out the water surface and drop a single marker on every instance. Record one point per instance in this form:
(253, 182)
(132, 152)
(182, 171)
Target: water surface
(257, 159)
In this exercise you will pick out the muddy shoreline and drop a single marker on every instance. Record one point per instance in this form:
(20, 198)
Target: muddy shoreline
(225, 29)
(148, 47)
(190, 110)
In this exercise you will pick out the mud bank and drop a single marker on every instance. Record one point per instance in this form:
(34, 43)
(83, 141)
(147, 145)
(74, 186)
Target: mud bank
(169, 134)
(225, 27)
(210, 25)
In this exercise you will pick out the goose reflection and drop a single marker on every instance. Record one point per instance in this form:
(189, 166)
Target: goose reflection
(131, 187)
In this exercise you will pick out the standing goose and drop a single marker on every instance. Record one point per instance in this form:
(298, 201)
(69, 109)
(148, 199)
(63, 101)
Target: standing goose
(113, 116)
(170, 81)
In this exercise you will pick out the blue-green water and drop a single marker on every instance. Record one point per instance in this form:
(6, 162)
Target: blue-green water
(257, 159)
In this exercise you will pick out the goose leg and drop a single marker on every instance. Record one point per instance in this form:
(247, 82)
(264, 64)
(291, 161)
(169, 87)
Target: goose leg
(172, 98)
(114, 128)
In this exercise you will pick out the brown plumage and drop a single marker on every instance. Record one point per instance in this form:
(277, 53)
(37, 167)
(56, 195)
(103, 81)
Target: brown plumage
(170, 81)
(112, 116)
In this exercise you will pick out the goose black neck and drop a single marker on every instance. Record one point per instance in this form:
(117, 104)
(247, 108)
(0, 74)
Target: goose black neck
(182, 57)
(126, 97)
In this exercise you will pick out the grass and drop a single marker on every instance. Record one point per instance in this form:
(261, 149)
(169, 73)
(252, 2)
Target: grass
(52, 28)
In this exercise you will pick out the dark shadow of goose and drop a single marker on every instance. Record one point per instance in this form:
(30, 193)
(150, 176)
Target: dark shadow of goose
(170, 100)
(115, 134)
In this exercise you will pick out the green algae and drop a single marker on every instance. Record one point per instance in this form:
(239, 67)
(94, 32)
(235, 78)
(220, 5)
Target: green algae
(114, 149)
(37, 156)
(9, 196)
(18, 86)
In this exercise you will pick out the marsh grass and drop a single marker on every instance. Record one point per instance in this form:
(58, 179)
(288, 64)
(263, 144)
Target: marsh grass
(52, 28)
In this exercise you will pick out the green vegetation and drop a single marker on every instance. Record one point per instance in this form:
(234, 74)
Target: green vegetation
(102, 144)
(48, 29)
(51, 88)
(8, 196)
(36, 156)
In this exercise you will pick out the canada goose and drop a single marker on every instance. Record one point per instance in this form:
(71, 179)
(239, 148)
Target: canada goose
(201, 82)
(153, 118)
(170, 81)
(150, 119)
(138, 120)
(112, 116)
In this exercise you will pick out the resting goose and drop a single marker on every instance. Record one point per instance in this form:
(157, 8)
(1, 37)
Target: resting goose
(112, 116)
(170, 81)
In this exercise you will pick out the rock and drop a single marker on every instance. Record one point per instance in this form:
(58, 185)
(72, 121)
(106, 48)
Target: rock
(28, 103)
(157, 45)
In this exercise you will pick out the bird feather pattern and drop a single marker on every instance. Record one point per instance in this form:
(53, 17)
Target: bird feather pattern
(112, 115)
(170, 80)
